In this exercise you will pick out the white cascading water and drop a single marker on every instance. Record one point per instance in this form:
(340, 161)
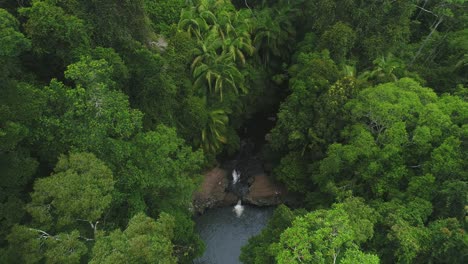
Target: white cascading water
(235, 176)
(238, 209)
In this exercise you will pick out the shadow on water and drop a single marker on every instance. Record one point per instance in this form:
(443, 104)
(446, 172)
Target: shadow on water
(224, 234)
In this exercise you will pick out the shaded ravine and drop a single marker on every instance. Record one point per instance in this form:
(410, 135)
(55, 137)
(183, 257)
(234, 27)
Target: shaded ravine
(224, 234)
(224, 230)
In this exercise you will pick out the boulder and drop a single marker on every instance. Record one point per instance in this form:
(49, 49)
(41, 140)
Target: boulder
(212, 190)
(264, 192)
(229, 199)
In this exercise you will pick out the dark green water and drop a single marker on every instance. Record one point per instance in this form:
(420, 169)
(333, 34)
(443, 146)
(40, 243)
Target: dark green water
(224, 234)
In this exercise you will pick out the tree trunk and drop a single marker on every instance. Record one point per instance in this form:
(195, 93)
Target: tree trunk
(427, 39)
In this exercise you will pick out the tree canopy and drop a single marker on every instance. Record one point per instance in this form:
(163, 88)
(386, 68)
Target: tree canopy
(111, 111)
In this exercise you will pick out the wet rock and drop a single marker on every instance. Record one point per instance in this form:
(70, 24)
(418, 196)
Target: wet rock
(229, 199)
(212, 190)
(264, 192)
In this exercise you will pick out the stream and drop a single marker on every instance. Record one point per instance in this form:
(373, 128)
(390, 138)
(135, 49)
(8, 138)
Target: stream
(222, 231)
(224, 234)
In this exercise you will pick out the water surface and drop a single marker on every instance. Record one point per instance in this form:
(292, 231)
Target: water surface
(224, 234)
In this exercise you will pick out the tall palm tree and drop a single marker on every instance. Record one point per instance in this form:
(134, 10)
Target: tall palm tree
(223, 41)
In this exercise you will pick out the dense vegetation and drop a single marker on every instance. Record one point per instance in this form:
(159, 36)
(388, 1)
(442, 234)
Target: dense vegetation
(110, 111)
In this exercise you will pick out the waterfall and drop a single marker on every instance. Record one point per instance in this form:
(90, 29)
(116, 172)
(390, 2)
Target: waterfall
(238, 209)
(235, 177)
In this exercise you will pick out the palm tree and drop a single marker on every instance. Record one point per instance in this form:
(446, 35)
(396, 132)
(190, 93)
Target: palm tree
(192, 23)
(198, 20)
(386, 69)
(218, 72)
(223, 40)
(273, 33)
(214, 133)
(207, 49)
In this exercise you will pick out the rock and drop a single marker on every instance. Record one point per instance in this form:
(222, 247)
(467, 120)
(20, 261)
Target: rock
(264, 191)
(229, 199)
(160, 44)
(216, 191)
(212, 190)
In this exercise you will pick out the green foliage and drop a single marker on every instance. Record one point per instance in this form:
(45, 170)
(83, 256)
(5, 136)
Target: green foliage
(20, 105)
(339, 39)
(321, 236)
(120, 73)
(224, 40)
(317, 237)
(387, 69)
(29, 245)
(79, 191)
(350, 123)
(187, 243)
(12, 42)
(88, 73)
(313, 74)
(55, 34)
(438, 52)
(257, 250)
(213, 134)
(143, 241)
(449, 241)
(304, 127)
(224, 45)
(381, 27)
(293, 171)
(355, 256)
(84, 194)
(161, 171)
(273, 33)
(87, 117)
(402, 145)
(388, 142)
(149, 81)
(164, 14)
(117, 23)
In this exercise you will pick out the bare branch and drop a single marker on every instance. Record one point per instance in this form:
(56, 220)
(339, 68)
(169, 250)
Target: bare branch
(44, 234)
(93, 226)
(87, 239)
(427, 11)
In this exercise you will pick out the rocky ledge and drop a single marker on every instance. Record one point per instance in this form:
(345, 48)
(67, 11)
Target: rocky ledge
(264, 192)
(214, 192)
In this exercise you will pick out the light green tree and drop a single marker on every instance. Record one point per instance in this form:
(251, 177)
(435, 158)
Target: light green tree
(30, 245)
(89, 117)
(79, 190)
(65, 208)
(143, 241)
(325, 236)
